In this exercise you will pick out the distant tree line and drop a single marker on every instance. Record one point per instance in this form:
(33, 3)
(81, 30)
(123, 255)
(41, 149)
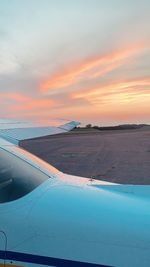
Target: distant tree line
(118, 127)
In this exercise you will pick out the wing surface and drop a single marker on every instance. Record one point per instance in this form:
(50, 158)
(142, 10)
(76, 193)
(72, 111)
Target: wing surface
(15, 131)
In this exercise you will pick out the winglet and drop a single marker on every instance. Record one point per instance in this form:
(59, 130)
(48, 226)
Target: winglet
(70, 125)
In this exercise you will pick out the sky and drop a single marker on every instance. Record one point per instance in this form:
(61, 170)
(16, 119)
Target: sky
(84, 60)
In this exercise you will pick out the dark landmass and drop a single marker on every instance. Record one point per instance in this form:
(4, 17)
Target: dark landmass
(114, 156)
(117, 127)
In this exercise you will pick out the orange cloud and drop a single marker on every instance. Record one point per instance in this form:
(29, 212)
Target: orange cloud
(33, 104)
(91, 68)
(13, 96)
(118, 92)
(20, 104)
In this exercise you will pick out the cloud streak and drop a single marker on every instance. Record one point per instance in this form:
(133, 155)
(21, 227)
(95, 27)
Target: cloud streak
(92, 68)
(116, 92)
(23, 105)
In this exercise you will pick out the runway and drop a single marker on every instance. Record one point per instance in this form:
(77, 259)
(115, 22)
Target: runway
(114, 156)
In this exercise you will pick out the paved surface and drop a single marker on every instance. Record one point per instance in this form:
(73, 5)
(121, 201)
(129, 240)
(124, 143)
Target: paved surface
(116, 156)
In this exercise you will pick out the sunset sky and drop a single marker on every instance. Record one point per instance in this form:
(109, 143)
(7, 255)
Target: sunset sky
(86, 60)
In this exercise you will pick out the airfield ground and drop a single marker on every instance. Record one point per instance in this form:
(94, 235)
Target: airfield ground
(121, 156)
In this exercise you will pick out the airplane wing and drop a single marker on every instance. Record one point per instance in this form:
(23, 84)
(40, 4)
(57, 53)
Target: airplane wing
(16, 131)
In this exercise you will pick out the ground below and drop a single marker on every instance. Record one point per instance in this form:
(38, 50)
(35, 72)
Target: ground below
(115, 156)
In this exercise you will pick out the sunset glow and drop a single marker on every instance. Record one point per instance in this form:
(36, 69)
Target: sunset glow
(90, 69)
(86, 61)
